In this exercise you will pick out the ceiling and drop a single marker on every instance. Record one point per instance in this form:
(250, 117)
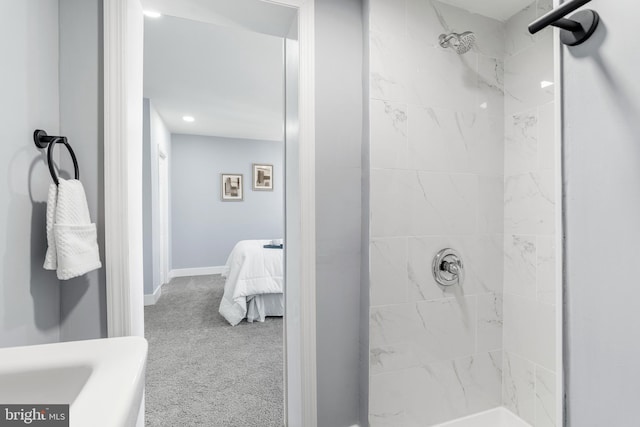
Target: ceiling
(497, 9)
(230, 80)
(253, 15)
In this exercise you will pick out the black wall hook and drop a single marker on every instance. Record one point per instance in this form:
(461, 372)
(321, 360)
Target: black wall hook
(42, 140)
(575, 30)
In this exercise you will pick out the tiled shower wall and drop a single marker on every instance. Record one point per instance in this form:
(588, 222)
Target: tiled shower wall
(437, 143)
(529, 268)
(444, 175)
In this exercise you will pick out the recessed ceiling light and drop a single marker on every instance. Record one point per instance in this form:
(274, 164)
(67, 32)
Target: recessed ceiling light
(152, 14)
(188, 119)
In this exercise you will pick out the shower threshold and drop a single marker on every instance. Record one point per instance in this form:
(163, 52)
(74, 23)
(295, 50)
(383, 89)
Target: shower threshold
(497, 417)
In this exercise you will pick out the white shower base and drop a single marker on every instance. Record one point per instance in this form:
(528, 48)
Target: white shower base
(498, 417)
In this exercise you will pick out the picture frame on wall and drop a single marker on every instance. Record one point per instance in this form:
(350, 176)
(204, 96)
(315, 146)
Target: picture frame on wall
(232, 187)
(262, 177)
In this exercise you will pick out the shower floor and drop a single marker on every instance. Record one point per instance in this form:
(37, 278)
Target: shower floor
(498, 417)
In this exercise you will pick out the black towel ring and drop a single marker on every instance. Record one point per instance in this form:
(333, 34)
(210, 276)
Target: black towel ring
(43, 140)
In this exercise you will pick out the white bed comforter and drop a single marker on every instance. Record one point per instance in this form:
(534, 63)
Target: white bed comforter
(250, 270)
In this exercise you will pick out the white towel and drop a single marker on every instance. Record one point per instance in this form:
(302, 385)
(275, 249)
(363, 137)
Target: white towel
(72, 238)
(50, 260)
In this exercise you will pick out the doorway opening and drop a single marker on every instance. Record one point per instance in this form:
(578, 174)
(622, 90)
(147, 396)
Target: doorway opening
(123, 90)
(214, 219)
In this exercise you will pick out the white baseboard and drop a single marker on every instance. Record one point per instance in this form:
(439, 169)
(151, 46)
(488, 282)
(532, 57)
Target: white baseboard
(200, 271)
(154, 297)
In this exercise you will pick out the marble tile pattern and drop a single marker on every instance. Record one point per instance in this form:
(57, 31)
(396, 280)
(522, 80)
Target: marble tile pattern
(529, 332)
(518, 386)
(435, 392)
(462, 156)
(437, 181)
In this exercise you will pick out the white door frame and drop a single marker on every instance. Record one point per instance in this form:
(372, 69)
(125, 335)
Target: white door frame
(123, 212)
(123, 48)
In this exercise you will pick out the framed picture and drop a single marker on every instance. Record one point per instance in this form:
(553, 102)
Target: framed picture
(232, 187)
(262, 177)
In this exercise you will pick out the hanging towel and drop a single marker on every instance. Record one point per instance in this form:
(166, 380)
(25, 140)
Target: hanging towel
(50, 260)
(72, 238)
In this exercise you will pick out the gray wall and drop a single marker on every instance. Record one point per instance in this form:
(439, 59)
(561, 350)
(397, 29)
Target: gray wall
(339, 113)
(155, 134)
(365, 299)
(339, 139)
(602, 210)
(204, 229)
(147, 208)
(29, 295)
(83, 300)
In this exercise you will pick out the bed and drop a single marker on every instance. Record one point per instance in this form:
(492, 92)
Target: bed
(254, 288)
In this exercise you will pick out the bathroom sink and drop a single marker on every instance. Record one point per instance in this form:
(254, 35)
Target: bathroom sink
(102, 380)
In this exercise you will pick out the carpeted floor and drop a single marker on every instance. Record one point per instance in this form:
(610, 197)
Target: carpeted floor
(204, 372)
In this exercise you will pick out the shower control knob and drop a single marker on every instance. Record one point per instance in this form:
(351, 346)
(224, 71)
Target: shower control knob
(448, 269)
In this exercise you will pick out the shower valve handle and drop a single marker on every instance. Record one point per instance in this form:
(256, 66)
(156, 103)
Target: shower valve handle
(447, 268)
(452, 267)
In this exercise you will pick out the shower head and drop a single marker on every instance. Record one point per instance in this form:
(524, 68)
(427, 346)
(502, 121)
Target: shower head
(461, 43)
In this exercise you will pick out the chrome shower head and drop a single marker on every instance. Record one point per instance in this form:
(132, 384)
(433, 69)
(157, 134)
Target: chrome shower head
(461, 43)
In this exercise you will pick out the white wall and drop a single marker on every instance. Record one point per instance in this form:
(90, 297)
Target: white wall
(29, 295)
(602, 206)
